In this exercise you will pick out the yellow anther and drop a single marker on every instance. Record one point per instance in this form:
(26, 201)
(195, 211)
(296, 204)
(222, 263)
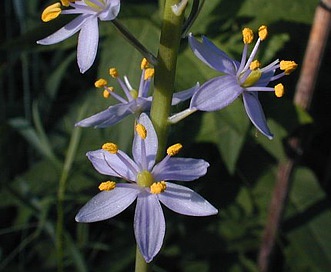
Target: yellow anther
(279, 90)
(67, 2)
(149, 72)
(141, 130)
(100, 83)
(113, 72)
(287, 66)
(107, 185)
(248, 35)
(107, 91)
(51, 12)
(144, 64)
(110, 147)
(106, 94)
(174, 149)
(254, 65)
(158, 187)
(263, 32)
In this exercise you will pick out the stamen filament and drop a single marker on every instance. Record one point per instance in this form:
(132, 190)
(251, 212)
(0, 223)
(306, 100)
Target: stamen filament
(181, 115)
(252, 55)
(115, 95)
(125, 89)
(243, 59)
(277, 76)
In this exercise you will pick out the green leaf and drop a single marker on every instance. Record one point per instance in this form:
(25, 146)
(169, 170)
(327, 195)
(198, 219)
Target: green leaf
(227, 129)
(274, 146)
(309, 224)
(33, 138)
(264, 11)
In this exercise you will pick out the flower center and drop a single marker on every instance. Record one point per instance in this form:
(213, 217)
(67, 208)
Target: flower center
(253, 77)
(145, 179)
(97, 5)
(134, 93)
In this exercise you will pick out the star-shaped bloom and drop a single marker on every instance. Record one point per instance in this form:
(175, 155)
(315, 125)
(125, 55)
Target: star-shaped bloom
(87, 23)
(136, 102)
(148, 183)
(245, 77)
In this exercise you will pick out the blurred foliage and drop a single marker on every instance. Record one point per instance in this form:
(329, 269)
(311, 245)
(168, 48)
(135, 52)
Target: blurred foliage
(42, 96)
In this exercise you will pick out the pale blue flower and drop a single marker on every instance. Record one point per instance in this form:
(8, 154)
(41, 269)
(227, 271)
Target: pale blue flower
(146, 182)
(136, 102)
(87, 23)
(245, 77)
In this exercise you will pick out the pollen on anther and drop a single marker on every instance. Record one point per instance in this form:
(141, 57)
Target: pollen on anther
(149, 72)
(254, 65)
(107, 185)
(100, 83)
(174, 149)
(106, 94)
(110, 147)
(67, 2)
(141, 130)
(51, 12)
(279, 90)
(113, 72)
(287, 66)
(248, 35)
(144, 64)
(263, 32)
(158, 187)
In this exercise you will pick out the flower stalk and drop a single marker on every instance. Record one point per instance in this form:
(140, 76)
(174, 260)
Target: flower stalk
(164, 87)
(165, 72)
(72, 149)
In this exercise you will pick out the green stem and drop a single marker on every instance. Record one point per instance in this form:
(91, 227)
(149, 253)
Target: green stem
(141, 265)
(73, 145)
(165, 73)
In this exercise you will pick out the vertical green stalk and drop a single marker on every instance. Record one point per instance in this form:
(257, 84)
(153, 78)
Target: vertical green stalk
(141, 265)
(165, 72)
(72, 149)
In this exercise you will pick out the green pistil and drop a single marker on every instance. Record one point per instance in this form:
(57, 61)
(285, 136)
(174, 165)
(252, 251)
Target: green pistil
(94, 6)
(134, 93)
(145, 179)
(253, 77)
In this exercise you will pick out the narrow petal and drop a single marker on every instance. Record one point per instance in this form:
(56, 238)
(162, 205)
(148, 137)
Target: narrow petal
(150, 144)
(107, 204)
(108, 117)
(181, 169)
(255, 113)
(110, 164)
(183, 200)
(208, 53)
(65, 32)
(88, 44)
(149, 225)
(184, 95)
(216, 93)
